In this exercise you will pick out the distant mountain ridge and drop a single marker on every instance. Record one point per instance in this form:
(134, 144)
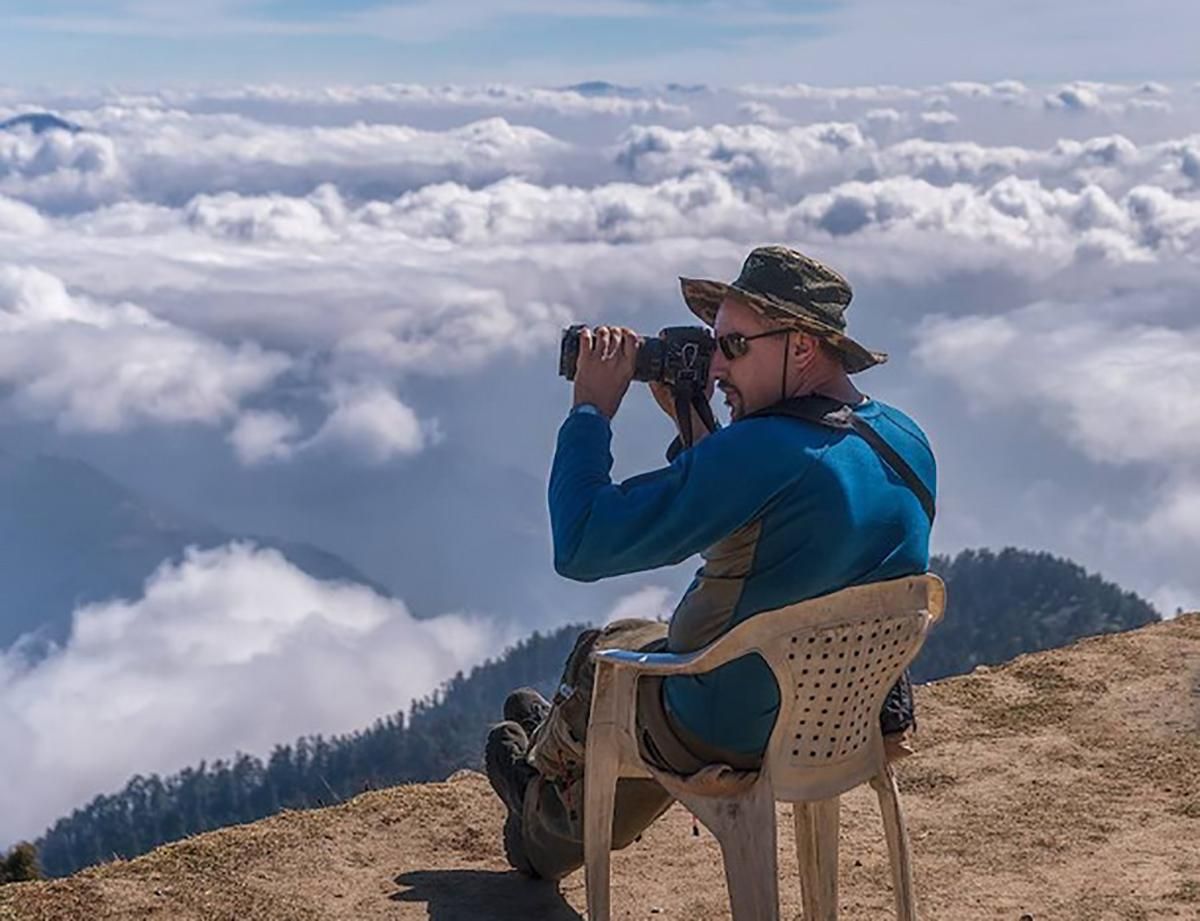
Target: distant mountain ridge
(39, 123)
(73, 535)
(999, 605)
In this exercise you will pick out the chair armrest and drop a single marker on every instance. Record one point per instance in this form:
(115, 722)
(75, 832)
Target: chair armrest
(756, 633)
(665, 663)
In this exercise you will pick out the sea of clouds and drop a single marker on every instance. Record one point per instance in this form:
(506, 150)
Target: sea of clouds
(292, 280)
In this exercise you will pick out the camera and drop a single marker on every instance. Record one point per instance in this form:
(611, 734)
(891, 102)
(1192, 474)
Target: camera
(678, 355)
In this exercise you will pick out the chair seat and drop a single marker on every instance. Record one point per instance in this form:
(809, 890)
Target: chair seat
(711, 780)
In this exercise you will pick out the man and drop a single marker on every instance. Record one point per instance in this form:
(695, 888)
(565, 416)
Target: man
(781, 506)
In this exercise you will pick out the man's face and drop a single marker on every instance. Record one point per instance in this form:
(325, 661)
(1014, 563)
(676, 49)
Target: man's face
(753, 380)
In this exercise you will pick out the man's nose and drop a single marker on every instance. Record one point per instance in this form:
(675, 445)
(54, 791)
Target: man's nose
(717, 366)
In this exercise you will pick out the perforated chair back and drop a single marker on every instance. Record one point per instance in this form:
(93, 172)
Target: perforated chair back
(835, 659)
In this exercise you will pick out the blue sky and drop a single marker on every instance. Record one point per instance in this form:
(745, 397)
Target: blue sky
(149, 43)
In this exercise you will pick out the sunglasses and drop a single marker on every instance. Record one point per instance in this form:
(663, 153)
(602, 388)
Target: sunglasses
(735, 345)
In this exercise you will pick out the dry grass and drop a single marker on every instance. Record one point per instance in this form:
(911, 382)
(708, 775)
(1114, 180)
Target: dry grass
(1061, 786)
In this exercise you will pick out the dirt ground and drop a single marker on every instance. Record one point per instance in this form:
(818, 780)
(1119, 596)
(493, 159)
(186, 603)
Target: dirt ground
(1064, 785)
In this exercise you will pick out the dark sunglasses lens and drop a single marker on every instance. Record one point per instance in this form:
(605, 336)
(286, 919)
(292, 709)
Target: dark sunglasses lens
(733, 345)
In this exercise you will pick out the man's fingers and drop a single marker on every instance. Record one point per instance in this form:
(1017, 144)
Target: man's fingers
(630, 340)
(616, 343)
(609, 343)
(629, 349)
(603, 338)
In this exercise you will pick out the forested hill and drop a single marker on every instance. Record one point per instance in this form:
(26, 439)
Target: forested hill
(999, 605)
(435, 737)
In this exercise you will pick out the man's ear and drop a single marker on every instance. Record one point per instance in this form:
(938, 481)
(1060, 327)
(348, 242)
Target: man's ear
(803, 344)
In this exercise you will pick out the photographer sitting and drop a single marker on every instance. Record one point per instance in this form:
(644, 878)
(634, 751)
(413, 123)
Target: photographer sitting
(812, 488)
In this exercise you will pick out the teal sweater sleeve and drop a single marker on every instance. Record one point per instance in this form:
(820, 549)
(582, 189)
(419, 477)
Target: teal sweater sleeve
(659, 518)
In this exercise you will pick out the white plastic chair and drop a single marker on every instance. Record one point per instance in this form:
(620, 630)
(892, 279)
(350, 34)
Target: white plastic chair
(834, 659)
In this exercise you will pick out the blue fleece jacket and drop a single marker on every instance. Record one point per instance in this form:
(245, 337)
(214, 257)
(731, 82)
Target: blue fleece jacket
(780, 508)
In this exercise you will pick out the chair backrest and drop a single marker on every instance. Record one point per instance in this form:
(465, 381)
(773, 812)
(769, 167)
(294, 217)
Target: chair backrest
(835, 658)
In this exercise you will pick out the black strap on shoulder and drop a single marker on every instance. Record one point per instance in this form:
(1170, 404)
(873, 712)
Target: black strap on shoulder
(836, 414)
(896, 462)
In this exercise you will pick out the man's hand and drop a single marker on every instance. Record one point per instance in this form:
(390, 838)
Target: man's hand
(606, 362)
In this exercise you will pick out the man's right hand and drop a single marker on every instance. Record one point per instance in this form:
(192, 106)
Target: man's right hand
(664, 396)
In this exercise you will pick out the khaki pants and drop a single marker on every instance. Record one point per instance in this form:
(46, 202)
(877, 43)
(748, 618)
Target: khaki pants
(552, 823)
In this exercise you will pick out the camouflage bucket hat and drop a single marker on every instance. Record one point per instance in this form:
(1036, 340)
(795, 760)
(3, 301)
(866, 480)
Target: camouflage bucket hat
(792, 289)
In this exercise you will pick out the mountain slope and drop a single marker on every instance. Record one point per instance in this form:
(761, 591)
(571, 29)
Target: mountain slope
(440, 733)
(1063, 785)
(1000, 605)
(72, 535)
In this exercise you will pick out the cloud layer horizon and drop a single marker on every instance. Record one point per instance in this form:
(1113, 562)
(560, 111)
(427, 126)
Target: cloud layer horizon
(272, 305)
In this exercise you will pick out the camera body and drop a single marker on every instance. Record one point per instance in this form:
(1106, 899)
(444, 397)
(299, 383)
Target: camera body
(678, 355)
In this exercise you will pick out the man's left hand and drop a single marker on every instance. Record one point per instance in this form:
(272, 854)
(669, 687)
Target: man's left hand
(607, 359)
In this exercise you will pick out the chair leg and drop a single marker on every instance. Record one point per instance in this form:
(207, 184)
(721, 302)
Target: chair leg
(601, 765)
(899, 850)
(817, 853)
(744, 826)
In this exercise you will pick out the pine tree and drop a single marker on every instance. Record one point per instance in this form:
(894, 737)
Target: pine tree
(21, 865)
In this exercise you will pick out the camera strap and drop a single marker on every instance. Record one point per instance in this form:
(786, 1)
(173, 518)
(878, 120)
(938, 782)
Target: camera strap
(835, 414)
(688, 397)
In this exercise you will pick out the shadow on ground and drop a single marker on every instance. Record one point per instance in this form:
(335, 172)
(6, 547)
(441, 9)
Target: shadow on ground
(477, 895)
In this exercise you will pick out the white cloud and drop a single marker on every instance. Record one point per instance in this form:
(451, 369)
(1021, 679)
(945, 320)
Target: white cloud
(1148, 107)
(762, 113)
(261, 436)
(231, 649)
(515, 211)
(883, 125)
(400, 97)
(373, 425)
(937, 124)
(168, 155)
(366, 424)
(651, 602)
(19, 218)
(1175, 521)
(275, 218)
(101, 367)
(786, 162)
(444, 327)
(1108, 380)
(60, 170)
(1078, 97)
(873, 94)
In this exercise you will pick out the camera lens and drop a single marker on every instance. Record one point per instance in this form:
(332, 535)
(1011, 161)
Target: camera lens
(568, 351)
(649, 365)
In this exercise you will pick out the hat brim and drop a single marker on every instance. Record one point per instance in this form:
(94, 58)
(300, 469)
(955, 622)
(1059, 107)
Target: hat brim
(703, 296)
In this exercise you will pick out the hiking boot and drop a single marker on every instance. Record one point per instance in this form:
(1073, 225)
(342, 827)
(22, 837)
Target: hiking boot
(527, 708)
(509, 774)
(507, 769)
(514, 847)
